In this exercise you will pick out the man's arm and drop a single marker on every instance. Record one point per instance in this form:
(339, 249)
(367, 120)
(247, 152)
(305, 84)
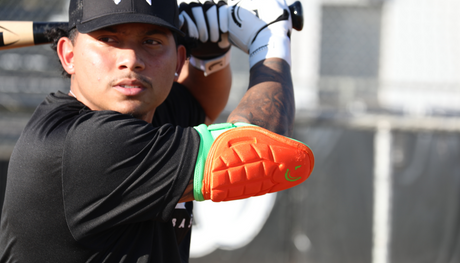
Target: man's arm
(262, 28)
(211, 91)
(254, 136)
(207, 73)
(269, 101)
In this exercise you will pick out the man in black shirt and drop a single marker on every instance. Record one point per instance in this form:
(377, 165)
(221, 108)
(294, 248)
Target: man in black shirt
(99, 174)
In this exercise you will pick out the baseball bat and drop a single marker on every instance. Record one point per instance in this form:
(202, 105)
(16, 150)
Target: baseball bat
(16, 34)
(296, 15)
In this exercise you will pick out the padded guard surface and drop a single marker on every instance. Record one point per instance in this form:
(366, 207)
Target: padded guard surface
(251, 161)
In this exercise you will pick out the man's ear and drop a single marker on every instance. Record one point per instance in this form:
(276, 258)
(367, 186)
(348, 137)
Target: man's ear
(181, 57)
(66, 56)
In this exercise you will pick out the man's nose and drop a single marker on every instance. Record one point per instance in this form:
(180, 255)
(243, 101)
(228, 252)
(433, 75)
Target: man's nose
(130, 59)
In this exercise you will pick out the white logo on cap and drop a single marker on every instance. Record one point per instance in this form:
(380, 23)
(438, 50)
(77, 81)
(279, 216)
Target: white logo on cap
(118, 1)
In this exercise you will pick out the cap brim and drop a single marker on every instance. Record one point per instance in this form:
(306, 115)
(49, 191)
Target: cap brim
(117, 19)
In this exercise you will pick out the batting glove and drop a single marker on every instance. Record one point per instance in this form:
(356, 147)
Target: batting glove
(261, 28)
(207, 22)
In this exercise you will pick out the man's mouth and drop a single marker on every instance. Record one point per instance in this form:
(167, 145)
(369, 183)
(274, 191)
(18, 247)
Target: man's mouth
(129, 90)
(129, 86)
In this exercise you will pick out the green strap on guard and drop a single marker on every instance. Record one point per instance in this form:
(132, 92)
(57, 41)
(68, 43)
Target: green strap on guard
(207, 136)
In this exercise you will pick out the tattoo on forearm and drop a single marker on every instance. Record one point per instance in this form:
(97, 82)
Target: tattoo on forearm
(269, 102)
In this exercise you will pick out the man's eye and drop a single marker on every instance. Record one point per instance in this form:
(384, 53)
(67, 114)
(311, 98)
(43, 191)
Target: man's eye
(151, 42)
(106, 39)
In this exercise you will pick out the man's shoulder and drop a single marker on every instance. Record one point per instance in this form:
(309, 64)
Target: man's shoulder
(56, 106)
(54, 113)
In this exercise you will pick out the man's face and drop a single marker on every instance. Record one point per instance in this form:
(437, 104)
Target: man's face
(127, 68)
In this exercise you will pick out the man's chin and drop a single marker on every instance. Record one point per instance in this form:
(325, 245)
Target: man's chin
(137, 110)
(142, 115)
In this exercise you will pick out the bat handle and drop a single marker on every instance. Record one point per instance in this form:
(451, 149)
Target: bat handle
(296, 15)
(40, 29)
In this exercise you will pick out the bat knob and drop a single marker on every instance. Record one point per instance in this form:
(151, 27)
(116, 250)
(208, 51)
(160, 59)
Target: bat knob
(296, 15)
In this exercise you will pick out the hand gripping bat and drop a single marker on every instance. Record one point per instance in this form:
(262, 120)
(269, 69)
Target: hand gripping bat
(16, 34)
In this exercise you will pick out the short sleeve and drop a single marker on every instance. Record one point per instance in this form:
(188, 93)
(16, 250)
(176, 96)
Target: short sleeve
(119, 170)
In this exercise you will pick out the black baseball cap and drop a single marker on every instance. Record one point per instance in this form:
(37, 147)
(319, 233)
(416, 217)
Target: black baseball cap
(91, 15)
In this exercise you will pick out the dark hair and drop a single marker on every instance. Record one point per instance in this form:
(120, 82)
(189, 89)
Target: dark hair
(55, 34)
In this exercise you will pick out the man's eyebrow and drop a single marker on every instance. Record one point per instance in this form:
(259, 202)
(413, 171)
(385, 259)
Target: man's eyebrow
(111, 29)
(156, 31)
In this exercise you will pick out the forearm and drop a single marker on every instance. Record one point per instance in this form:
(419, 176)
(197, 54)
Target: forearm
(269, 101)
(187, 196)
(211, 91)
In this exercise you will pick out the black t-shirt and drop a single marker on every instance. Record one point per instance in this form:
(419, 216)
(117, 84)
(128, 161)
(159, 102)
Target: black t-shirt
(98, 186)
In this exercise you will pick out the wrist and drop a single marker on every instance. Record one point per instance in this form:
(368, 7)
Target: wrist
(209, 66)
(270, 45)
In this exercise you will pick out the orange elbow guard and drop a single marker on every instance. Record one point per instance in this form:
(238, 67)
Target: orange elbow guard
(245, 161)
